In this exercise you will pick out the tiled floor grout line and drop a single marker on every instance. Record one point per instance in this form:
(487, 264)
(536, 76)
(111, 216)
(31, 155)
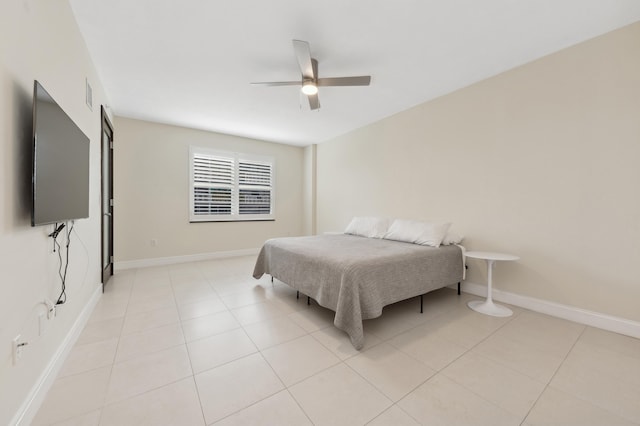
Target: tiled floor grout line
(504, 366)
(259, 351)
(546, 386)
(436, 371)
(284, 388)
(440, 371)
(288, 387)
(115, 354)
(386, 341)
(193, 374)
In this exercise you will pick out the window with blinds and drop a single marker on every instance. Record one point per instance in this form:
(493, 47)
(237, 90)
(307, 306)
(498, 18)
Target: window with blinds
(228, 186)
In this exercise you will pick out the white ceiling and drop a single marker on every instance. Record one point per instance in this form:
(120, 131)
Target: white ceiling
(190, 62)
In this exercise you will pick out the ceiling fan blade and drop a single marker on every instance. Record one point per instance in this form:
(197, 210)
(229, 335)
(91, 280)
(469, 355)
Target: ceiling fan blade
(303, 54)
(310, 81)
(278, 83)
(362, 80)
(314, 102)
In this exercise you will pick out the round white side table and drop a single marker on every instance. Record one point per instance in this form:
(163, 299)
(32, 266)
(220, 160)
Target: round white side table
(487, 306)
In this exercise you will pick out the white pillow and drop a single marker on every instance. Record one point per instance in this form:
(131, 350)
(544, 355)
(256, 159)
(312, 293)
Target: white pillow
(452, 238)
(413, 231)
(372, 227)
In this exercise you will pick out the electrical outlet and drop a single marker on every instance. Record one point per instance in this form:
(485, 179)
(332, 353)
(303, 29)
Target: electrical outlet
(17, 348)
(51, 308)
(154, 242)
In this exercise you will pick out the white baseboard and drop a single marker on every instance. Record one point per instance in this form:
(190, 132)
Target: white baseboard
(571, 313)
(160, 261)
(32, 403)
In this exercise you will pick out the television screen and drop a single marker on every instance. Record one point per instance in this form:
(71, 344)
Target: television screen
(60, 163)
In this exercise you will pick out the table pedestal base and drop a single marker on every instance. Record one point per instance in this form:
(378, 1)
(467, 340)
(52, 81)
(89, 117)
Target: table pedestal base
(490, 308)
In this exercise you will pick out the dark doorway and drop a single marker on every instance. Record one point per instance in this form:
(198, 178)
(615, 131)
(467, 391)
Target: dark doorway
(107, 197)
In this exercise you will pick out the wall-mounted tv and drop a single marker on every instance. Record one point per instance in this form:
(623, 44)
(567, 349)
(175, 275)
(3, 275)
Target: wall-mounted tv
(60, 174)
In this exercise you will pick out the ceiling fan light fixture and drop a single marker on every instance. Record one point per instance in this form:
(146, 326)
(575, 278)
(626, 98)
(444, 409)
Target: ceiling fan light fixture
(309, 88)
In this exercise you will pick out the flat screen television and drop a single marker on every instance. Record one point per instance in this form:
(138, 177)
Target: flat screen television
(60, 173)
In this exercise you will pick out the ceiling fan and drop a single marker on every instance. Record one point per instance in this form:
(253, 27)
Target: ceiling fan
(310, 80)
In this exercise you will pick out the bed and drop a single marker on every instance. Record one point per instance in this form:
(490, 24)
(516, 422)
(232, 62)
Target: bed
(356, 276)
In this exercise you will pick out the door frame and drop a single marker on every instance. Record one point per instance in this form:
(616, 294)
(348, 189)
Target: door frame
(106, 271)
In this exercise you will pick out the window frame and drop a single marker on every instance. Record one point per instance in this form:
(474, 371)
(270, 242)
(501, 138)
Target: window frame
(235, 215)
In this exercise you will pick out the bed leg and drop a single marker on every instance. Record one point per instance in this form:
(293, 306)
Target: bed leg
(458, 288)
(308, 300)
(421, 303)
(297, 295)
(271, 278)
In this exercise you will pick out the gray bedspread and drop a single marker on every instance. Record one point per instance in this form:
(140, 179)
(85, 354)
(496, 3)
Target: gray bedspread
(357, 276)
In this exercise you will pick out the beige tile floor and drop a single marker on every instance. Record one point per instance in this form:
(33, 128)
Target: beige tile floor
(204, 343)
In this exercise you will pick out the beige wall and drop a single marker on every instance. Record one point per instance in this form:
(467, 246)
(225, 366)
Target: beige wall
(309, 207)
(151, 193)
(541, 161)
(39, 40)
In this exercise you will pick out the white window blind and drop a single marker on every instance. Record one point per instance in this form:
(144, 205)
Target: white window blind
(230, 186)
(254, 185)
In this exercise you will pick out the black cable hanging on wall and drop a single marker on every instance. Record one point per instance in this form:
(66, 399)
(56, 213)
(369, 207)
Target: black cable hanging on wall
(62, 298)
